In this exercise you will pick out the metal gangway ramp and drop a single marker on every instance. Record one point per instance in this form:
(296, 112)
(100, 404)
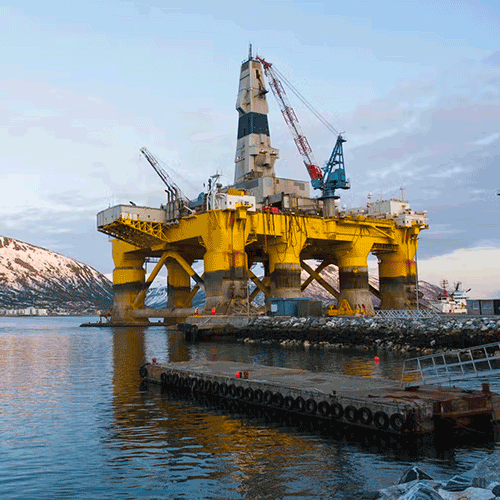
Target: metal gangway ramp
(446, 367)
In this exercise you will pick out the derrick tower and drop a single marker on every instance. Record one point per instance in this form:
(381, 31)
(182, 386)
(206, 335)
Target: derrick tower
(254, 155)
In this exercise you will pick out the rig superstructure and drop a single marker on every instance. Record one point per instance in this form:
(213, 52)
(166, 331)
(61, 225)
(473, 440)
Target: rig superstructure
(264, 219)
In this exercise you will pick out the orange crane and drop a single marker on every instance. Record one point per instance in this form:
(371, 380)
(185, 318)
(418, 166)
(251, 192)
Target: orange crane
(329, 178)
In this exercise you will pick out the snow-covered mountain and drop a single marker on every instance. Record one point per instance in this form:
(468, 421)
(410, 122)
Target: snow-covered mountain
(156, 297)
(31, 276)
(330, 274)
(157, 294)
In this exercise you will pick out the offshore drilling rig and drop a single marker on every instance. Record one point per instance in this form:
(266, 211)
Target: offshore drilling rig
(263, 219)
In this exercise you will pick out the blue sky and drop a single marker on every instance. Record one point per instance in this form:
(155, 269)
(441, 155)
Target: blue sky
(414, 85)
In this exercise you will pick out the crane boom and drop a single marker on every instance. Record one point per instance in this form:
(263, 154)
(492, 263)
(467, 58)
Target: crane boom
(330, 177)
(171, 185)
(291, 120)
(176, 201)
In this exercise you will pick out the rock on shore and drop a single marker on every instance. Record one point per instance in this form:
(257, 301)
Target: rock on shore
(425, 335)
(480, 483)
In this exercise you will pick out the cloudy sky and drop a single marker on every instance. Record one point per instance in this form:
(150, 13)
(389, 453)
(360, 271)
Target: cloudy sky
(415, 86)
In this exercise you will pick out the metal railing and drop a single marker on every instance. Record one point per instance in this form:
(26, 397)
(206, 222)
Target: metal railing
(441, 368)
(405, 313)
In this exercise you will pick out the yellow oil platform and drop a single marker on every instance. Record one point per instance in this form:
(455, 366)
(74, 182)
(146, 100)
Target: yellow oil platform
(260, 219)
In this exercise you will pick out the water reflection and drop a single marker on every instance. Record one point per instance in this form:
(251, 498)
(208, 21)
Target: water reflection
(183, 445)
(77, 424)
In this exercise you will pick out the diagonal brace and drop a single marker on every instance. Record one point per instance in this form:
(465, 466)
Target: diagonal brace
(310, 278)
(182, 262)
(329, 288)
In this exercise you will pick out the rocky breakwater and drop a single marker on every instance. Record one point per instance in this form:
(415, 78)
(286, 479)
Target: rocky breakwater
(480, 483)
(424, 335)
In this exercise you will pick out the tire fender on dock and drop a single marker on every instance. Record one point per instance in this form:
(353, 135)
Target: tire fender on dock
(278, 399)
(289, 403)
(258, 396)
(397, 422)
(365, 415)
(381, 420)
(337, 411)
(311, 406)
(249, 394)
(268, 397)
(324, 409)
(300, 404)
(351, 413)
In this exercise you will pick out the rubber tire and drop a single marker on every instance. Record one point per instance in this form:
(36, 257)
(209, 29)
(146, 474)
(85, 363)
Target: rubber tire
(351, 414)
(324, 409)
(240, 392)
(215, 387)
(381, 420)
(300, 404)
(175, 379)
(397, 422)
(163, 378)
(288, 403)
(258, 396)
(311, 406)
(268, 398)
(143, 371)
(207, 386)
(278, 399)
(336, 411)
(231, 391)
(365, 415)
(223, 390)
(249, 394)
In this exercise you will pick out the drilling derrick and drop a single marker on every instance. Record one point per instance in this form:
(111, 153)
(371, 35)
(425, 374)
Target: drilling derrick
(254, 155)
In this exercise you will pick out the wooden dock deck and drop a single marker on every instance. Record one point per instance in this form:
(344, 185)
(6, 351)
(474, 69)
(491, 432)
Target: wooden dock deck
(373, 403)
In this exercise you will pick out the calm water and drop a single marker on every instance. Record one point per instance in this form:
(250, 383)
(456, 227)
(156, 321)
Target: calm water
(75, 423)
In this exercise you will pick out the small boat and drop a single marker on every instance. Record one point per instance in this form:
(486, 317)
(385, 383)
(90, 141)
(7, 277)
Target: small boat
(454, 302)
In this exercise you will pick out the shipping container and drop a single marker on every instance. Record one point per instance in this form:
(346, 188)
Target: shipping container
(298, 307)
(483, 307)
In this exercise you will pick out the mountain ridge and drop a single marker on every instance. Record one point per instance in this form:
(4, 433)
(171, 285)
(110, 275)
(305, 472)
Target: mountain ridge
(33, 276)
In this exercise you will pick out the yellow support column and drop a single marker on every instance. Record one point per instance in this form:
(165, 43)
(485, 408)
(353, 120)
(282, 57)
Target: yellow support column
(353, 275)
(225, 260)
(284, 260)
(397, 273)
(129, 276)
(178, 285)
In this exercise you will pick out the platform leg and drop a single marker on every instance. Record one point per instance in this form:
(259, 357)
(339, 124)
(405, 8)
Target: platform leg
(398, 276)
(284, 262)
(353, 275)
(226, 262)
(129, 276)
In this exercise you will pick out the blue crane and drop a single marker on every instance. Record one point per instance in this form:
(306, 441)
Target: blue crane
(328, 178)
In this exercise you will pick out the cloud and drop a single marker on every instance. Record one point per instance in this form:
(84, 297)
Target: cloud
(477, 268)
(487, 140)
(450, 172)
